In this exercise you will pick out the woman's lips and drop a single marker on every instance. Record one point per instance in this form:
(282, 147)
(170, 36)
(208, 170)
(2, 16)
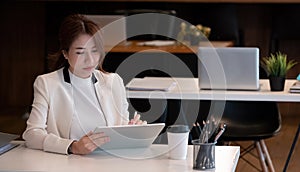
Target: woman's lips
(89, 68)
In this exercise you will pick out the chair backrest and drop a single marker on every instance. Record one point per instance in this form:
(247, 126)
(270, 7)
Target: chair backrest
(285, 26)
(285, 35)
(247, 119)
(223, 21)
(113, 28)
(157, 24)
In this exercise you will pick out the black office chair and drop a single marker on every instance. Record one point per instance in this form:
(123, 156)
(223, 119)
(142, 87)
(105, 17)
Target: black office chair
(223, 21)
(284, 27)
(252, 121)
(285, 35)
(164, 25)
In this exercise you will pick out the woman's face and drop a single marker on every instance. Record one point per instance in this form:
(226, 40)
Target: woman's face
(83, 56)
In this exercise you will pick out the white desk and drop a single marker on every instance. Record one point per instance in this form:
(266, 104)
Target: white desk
(187, 89)
(24, 159)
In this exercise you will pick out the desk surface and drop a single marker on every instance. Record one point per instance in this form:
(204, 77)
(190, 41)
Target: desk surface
(132, 47)
(187, 88)
(24, 159)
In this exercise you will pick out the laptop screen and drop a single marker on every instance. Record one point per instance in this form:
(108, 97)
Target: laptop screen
(231, 68)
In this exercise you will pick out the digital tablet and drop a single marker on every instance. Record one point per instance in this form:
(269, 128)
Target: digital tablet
(130, 136)
(5, 139)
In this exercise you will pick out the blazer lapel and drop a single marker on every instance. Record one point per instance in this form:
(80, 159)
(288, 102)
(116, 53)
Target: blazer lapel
(104, 99)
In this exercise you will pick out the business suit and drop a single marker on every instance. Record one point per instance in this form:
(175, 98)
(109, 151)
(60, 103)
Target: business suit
(49, 123)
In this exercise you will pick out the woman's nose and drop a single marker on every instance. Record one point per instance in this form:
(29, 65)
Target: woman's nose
(89, 58)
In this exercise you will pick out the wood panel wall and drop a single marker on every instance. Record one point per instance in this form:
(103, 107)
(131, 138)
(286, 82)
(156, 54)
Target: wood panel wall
(21, 52)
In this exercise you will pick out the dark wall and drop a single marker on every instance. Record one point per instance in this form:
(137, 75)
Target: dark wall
(29, 33)
(22, 51)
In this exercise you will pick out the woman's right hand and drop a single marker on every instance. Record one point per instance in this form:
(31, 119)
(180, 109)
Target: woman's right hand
(89, 143)
(136, 120)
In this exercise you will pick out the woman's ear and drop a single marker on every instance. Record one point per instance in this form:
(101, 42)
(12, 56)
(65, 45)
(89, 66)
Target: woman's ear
(64, 52)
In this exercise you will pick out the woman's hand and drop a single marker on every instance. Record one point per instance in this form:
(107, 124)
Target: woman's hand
(89, 143)
(136, 120)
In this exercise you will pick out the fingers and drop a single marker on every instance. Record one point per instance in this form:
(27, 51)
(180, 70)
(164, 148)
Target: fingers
(136, 120)
(99, 138)
(90, 142)
(83, 147)
(89, 133)
(140, 122)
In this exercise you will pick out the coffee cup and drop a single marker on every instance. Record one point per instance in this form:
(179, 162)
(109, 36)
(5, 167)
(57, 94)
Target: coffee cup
(178, 141)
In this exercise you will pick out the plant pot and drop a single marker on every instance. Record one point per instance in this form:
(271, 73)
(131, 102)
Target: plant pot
(277, 83)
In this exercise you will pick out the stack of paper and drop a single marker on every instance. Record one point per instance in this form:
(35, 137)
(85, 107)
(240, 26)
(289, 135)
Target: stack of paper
(295, 88)
(157, 43)
(151, 84)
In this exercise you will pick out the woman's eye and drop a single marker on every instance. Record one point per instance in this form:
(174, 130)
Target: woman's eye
(95, 51)
(79, 52)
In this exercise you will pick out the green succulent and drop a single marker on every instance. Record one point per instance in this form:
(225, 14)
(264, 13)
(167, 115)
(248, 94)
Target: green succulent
(277, 64)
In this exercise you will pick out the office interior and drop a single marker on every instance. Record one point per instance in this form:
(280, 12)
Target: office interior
(29, 32)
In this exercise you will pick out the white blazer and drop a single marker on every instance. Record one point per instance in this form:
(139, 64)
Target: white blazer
(49, 123)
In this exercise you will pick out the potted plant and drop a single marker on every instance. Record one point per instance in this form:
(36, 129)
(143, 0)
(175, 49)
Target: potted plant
(277, 66)
(192, 35)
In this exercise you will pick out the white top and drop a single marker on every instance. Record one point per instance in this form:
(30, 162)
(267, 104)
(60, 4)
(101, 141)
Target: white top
(155, 159)
(188, 89)
(88, 114)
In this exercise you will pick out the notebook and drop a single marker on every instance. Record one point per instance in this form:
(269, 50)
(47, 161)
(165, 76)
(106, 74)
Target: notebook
(113, 28)
(151, 84)
(157, 43)
(295, 88)
(5, 140)
(231, 68)
(130, 136)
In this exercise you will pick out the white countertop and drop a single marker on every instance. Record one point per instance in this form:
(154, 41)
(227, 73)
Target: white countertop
(187, 88)
(154, 159)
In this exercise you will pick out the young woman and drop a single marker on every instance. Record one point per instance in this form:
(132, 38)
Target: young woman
(71, 101)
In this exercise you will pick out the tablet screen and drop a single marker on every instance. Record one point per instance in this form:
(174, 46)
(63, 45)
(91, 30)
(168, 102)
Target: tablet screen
(130, 136)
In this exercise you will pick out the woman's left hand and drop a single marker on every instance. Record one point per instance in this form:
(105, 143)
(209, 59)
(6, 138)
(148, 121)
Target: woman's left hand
(136, 120)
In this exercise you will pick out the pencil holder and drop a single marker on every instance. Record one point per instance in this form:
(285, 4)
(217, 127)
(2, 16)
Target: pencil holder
(203, 155)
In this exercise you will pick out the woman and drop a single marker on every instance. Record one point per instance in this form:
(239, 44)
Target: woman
(71, 101)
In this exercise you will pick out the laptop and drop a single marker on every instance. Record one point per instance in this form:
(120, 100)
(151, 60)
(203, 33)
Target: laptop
(231, 68)
(130, 136)
(113, 28)
(5, 140)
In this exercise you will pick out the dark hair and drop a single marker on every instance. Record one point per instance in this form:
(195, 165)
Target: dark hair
(71, 27)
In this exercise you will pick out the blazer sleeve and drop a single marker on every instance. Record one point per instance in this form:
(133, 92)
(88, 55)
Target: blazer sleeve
(36, 135)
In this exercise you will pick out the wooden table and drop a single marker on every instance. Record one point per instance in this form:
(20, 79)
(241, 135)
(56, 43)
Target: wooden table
(161, 55)
(133, 46)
